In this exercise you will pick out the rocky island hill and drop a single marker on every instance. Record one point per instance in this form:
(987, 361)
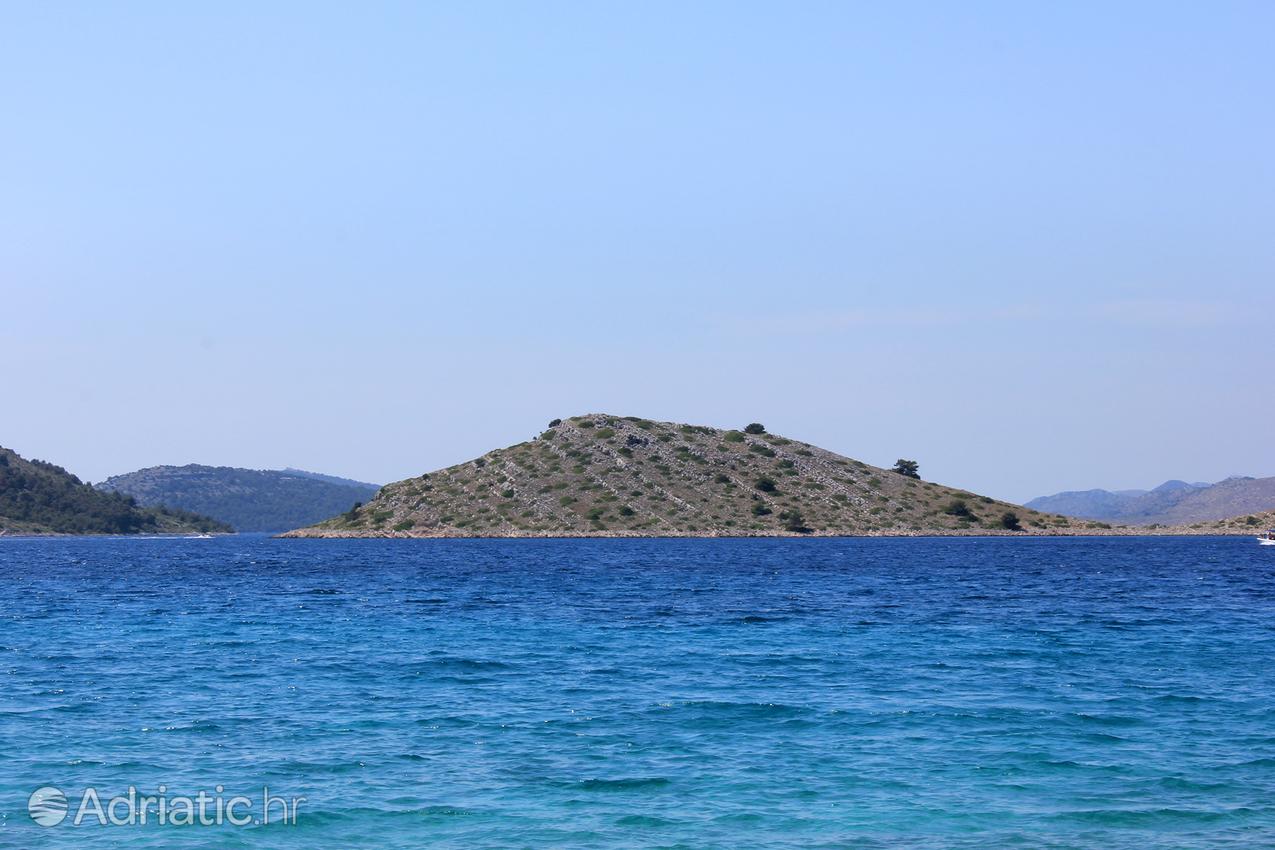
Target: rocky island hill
(247, 499)
(610, 476)
(37, 497)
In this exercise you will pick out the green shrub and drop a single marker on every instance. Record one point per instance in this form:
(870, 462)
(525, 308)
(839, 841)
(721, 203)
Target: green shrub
(754, 428)
(907, 468)
(766, 485)
(1009, 520)
(794, 521)
(605, 433)
(957, 508)
(733, 437)
(404, 525)
(508, 494)
(555, 423)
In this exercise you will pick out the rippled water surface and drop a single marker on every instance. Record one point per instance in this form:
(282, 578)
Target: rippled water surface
(946, 693)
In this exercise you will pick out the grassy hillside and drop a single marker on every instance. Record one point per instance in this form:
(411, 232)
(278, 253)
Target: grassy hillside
(39, 498)
(1254, 523)
(607, 475)
(248, 499)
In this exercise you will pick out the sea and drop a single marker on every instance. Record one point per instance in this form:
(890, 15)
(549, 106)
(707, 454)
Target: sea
(1100, 693)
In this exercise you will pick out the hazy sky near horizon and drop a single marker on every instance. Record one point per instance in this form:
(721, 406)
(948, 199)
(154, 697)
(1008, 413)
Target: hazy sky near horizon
(1027, 244)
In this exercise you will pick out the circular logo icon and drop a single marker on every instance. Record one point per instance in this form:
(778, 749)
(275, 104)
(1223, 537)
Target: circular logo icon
(47, 806)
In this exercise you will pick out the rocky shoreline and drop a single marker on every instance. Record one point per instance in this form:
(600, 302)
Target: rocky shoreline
(343, 534)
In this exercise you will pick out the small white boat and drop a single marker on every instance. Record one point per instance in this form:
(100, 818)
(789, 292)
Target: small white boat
(1267, 539)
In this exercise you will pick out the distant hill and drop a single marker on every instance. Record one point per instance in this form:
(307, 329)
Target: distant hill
(1172, 503)
(37, 497)
(248, 499)
(1089, 504)
(604, 475)
(331, 479)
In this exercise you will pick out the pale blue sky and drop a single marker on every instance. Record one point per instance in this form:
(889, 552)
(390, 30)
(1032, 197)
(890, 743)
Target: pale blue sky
(1027, 244)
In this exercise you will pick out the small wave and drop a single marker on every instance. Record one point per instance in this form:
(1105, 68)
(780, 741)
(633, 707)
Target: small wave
(1181, 783)
(460, 663)
(635, 783)
(448, 722)
(716, 712)
(1180, 699)
(1117, 720)
(1147, 817)
(1262, 762)
(309, 768)
(644, 820)
(739, 817)
(445, 811)
(318, 819)
(197, 726)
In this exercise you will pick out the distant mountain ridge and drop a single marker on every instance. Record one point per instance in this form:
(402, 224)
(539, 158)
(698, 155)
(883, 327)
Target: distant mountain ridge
(247, 499)
(331, 479)
(1172, 503)
(604, 475)
(37, 497)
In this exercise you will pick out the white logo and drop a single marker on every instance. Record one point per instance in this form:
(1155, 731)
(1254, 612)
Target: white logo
(47, 806)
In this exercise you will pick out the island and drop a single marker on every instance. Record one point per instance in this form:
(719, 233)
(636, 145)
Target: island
(602, 475)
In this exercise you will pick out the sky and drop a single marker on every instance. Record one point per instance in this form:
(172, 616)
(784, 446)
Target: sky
(1027, 244)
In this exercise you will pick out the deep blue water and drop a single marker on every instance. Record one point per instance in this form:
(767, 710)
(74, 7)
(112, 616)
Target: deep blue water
(921, 693)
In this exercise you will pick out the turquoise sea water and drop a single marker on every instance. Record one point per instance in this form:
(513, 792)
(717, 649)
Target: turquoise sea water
(923, 693)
